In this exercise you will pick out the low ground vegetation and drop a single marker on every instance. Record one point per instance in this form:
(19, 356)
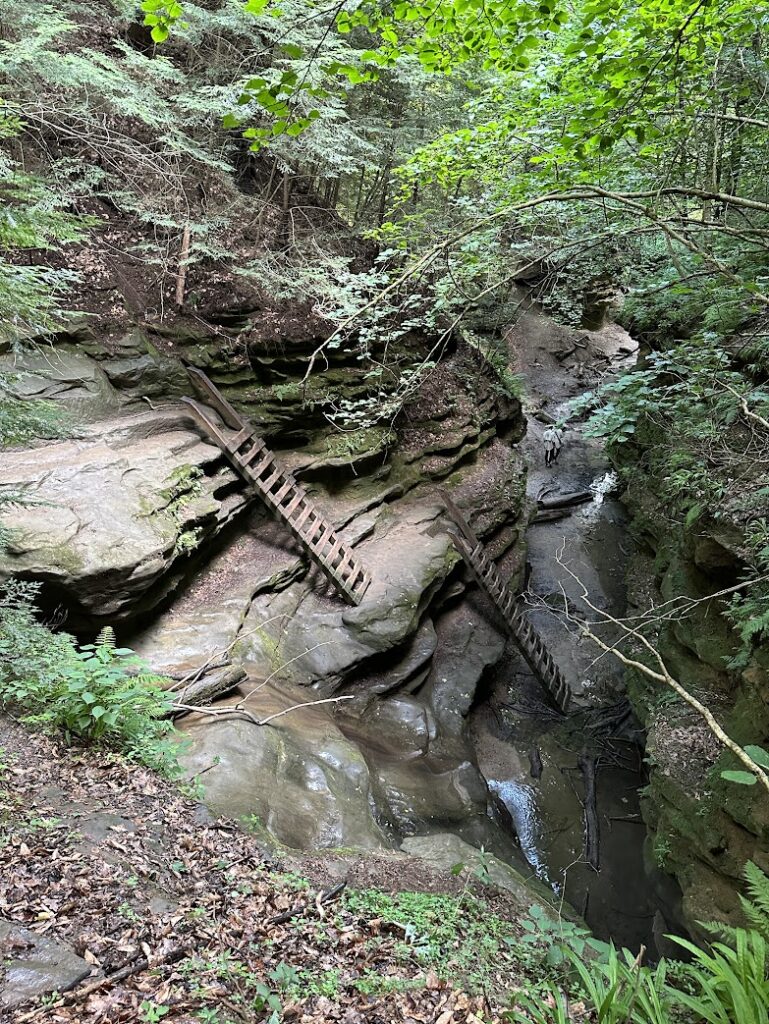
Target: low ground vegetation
(90, 693)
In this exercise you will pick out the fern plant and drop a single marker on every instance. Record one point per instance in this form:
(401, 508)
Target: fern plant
(91, 693)
(755, 906)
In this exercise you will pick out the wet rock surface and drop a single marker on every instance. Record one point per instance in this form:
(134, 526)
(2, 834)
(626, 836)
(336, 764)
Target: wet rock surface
(300, 779)
(33, 965)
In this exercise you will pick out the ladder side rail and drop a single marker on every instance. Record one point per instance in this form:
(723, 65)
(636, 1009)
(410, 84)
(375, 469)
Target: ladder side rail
(216, 399)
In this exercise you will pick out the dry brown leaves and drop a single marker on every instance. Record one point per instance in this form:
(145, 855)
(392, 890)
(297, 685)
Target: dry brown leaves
(176, 910)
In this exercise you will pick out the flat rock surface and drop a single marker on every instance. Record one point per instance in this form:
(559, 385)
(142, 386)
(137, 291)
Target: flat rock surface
(33, 965)
(107, 515)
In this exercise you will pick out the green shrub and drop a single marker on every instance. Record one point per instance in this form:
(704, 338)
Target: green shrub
(93, 693)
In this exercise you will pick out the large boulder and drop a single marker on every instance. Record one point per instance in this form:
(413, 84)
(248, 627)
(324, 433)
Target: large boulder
(300, 778)
(311, 638)
(105, 518)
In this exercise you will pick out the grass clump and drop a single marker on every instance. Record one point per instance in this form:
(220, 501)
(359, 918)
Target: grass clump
(453, 935)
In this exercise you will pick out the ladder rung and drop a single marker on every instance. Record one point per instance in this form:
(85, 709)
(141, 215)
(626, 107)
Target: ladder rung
(257, 470)
(259, 467)
(282, 492)
(265, 485)
(251, 454)
(234, 443)
(306, 514)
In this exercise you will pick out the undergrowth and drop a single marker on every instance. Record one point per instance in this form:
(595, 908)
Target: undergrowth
(453, 935)
(727, 983)
(25, 420)
(90, 693)
(690, 421)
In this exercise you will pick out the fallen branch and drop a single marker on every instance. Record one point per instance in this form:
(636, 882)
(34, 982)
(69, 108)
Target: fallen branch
(747, 412)
(142, 964)
(222, 655)
(307, 704)
(241, 712)
(204, 691)
(592, 834)
(565, 500)
(271, 676)
(302, 908)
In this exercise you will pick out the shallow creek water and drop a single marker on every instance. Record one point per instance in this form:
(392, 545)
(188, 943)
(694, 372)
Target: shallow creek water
(529, 757)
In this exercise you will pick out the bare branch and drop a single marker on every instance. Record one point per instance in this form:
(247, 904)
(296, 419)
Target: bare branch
(663, 676)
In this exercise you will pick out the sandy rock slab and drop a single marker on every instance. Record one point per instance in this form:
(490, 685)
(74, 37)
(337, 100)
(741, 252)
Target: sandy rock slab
(105, 518)
(33, 965)
(300, 779)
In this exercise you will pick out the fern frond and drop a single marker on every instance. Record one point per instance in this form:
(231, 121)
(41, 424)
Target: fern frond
(720, 930)
(150, 679)
(106, 638)
(756, 905)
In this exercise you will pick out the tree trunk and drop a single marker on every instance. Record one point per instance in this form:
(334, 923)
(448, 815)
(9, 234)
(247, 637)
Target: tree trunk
(206, 690)
(181, 276)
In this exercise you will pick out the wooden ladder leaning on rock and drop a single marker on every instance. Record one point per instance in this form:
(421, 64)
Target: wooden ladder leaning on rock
(251, 457)
(507, 604)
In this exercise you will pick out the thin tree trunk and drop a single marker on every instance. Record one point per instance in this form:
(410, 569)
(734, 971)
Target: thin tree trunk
(359, 195)
(184, 255)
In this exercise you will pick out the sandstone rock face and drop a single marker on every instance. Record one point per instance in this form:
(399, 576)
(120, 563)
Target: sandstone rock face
(319, 641)
(306, 783)
(68, 376)
(704, 828)
(110, 514)
(129, 508)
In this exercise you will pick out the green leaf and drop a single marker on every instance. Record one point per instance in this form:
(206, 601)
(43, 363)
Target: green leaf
(742, 778)
(693, 514)
(758, 754)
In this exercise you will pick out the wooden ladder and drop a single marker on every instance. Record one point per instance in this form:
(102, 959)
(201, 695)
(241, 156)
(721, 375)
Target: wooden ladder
(251, 457)
(507, 604)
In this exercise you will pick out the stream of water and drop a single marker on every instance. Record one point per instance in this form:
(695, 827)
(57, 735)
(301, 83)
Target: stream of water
(530, 758)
